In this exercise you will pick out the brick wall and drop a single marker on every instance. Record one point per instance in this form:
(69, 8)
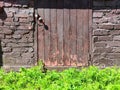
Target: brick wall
(106, 33)
(16, 33)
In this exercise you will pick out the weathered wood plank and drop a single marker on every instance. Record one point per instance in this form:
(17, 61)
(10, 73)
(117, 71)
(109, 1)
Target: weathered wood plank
(60, 31)
(73, 23)
(66, 38)
(47, 33)
(79, 37)
(66, 42)
(85, 33)
(90, 32)
(41, 34)
(53, 42)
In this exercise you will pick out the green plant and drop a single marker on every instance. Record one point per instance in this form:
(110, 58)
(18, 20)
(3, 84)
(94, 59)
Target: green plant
(91, 78)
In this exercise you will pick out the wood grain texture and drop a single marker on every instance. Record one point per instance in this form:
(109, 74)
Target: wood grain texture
(73, 34)
(54, 37)
(66, 42)
(79, 37)
(85, 33)
(41, 33)
(60, 25)
(47, 33)
(66, 39)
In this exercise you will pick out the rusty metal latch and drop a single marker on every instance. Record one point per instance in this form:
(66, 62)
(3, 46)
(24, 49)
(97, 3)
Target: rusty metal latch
(40, 19)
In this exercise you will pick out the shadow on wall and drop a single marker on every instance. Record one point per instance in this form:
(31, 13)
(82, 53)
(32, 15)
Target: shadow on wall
(106, 4)
(63, 4)
(53, 4)
(3, 14)
(68, 4)
(1, 61)
(78, 4)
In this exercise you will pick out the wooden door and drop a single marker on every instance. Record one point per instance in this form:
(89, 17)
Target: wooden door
(63, 39)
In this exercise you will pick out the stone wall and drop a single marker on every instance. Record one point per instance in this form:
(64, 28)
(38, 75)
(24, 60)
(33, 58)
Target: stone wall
(106, 33)
(16, 33)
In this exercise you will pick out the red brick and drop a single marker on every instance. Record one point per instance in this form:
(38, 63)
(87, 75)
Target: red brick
(118, 11)
(105, 62)
(21, 15)
(96, 20)
(102, 50)
(100, 32)
(117, 27)
(8, 36)
(3, 44)
(108, 27)
(116, 38)
(96, 56)
(17, 36)
(23, 27)
(7, 4)
(7, 23)
(104, 20)
(22, 49)
(100, 44)
(114, 43)
(20, 44)
(9, 20)
(97, 14)
(10, 14)
(7, 31)
(115, 32)
(105, 38)
(21, 32)
(7, 49)
(12, 27)
(31, 19)
(2, 36)
(113, 55)
(23, 20)
(116, 49)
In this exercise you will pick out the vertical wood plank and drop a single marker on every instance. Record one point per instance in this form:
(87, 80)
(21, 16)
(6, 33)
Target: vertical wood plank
(66, 39)
(47, 32)
(41, 33)
(73, 54)
(79, 33)
(66, 42)
(60, 31)
(53, 41)
(90, 32)
(85, 33)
